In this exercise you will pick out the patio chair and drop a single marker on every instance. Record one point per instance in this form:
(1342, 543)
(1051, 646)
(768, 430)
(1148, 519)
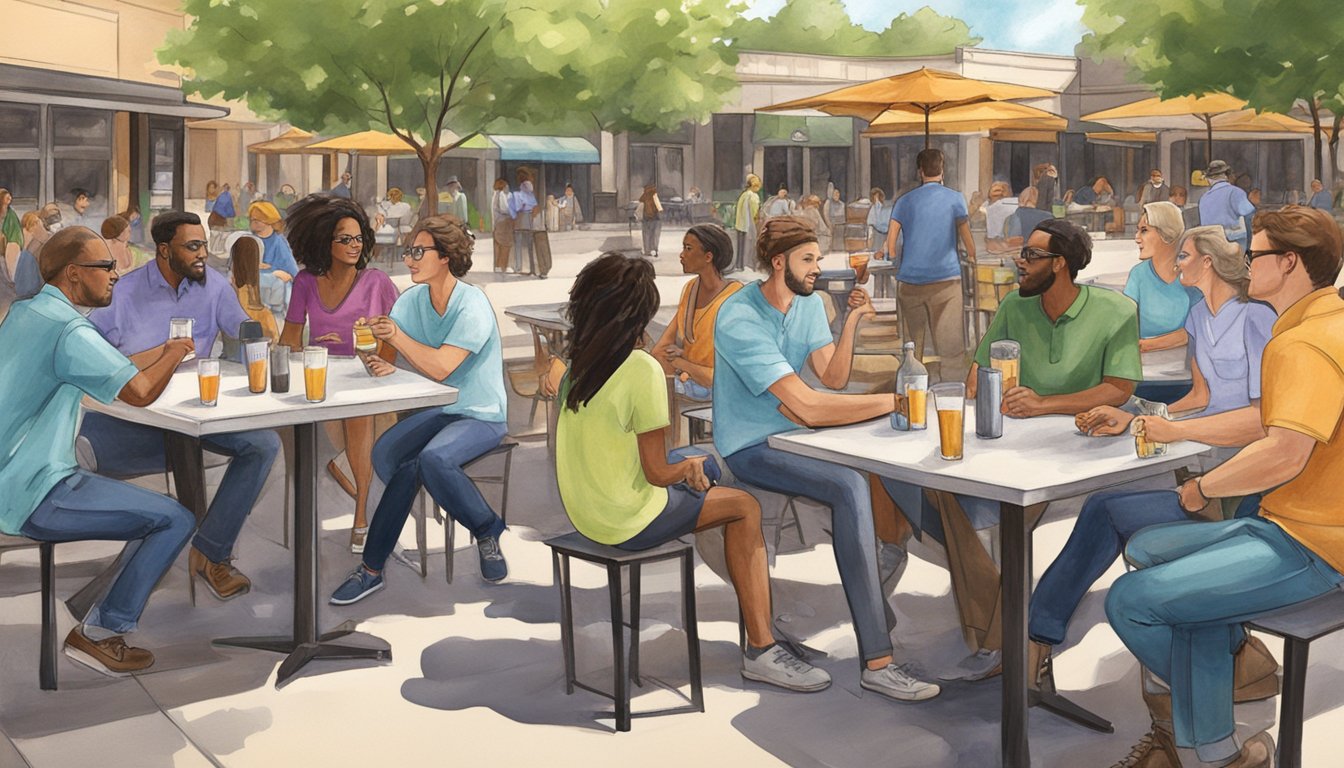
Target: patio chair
(46, 668)
(421, 512)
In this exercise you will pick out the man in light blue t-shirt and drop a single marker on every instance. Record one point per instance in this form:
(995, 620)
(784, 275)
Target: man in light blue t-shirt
(932, 218)
(763, 336)
(55, 359)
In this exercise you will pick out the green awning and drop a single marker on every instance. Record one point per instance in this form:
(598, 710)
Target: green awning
(793, 131)
(546, 149)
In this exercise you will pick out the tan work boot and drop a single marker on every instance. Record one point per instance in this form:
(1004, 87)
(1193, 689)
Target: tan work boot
(1157, 748)
(1257, 752)
(1256, 671)
(112, 657)
(223, 579)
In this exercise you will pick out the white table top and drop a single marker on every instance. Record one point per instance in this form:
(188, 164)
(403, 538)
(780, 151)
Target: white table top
(548, 316)
(1037, 460)
(351, 391)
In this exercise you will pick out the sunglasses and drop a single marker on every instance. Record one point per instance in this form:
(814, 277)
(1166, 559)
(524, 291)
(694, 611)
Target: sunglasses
(192, 245)
(107, 266)
(1253, 255)
(417, 252)
(1032, 255)
(347, 240)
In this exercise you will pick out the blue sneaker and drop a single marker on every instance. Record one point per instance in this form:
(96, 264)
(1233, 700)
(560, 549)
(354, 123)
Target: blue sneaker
(493, 567)
(357, 586)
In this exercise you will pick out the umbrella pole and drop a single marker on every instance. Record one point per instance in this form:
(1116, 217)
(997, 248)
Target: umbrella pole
(927, 109)
(1208, 125)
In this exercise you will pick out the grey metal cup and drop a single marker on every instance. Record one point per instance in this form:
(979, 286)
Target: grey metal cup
(988, 399)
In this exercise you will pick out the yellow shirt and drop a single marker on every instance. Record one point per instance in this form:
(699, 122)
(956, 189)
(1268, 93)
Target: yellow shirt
(701, 350)
(1303, 390)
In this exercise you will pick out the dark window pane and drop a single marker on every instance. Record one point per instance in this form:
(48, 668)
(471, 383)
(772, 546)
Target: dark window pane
(164, 148)
(88, 175)
(18, 125)
(729, 153)
(73, 127)
(643, 169)
(20, 177)
(829, 165)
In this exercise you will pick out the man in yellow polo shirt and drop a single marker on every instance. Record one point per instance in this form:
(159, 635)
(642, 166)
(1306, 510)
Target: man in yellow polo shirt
(1181, 612)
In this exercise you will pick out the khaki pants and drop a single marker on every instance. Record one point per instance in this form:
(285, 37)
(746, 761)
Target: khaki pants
(936, 306)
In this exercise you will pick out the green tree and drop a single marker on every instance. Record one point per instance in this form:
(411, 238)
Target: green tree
(419, 69)
(1269, 52)
(824, 27)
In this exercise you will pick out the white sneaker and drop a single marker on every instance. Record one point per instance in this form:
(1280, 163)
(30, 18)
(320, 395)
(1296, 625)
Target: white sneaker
(894, 683)
(981, 665)
(777, 666)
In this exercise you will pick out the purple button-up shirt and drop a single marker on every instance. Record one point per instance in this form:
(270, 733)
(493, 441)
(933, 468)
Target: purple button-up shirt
(143, 302)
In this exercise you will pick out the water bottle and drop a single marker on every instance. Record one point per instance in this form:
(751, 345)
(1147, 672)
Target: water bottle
(912, 381)
(988, 400)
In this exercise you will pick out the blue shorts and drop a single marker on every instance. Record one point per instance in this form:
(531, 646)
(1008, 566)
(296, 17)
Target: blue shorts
(677, 519)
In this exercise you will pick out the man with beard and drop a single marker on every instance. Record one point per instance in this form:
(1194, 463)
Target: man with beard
(178, 284)
(763, 336)
(1080, 350)
(47, 497)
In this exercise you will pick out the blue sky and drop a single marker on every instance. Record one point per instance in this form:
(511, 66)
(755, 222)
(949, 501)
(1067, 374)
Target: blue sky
(1041, 26)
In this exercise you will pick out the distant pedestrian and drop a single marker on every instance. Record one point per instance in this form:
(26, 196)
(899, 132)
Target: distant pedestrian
(650, 220)
(502, 219)
(342, 189)
(746, 214)
(1156, 190)
(1319, 197)
(835, 218)
(1225, 204)
(522, 207)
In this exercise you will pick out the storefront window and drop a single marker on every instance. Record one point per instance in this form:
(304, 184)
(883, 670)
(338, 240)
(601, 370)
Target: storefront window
(91, 176)
(19, 125)
(21, 178)
(728, 153)
(164, 145)
(81, 128)
(829, 165)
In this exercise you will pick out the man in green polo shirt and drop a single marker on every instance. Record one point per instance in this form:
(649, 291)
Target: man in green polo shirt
(1080, 349)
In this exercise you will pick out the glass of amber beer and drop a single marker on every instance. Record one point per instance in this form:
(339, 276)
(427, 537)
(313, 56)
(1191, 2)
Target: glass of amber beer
(950, 402)
(859, 263)
(1006, 357)
(255, 354)
(207, 375)
(315, 374)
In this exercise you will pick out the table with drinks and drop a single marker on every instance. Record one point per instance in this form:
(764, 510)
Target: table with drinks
(1016, 462)
(212, 396)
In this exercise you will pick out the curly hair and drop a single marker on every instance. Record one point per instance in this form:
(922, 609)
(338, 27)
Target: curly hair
(311, 223)
(453, 240)
(610, 303)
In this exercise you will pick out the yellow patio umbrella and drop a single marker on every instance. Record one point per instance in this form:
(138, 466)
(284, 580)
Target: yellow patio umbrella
(1248, 121)
(965, 118)
(1188, 113)
(366, 143)
(291, 142)
(925, 90)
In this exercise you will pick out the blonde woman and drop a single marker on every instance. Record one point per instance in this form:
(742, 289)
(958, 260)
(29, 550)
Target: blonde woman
(278, 266)
(1163, 301)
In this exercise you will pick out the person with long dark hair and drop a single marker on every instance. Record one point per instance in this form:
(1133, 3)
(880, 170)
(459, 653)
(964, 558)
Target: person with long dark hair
(615, 480)
(686, 348)
(445, 328)
(333, 240)
(244, 271)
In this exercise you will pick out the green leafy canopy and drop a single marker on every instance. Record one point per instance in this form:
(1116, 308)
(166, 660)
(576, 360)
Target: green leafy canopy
(824, 27)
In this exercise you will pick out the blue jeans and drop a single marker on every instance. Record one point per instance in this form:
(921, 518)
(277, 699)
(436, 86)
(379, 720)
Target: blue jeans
(430, 447)
(689, 388)
(1107, 522)
(86, 506)
(125, 449)
(1181, 612)
(845, 491)
(912, 502)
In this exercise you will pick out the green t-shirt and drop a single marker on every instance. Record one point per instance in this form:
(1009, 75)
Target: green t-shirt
(1097, 336)
(597, 466)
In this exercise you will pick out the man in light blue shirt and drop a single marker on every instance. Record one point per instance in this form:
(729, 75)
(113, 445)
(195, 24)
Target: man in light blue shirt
(1225, 204)
(177, 283)
(56, 358)
(932, 217)
(1319, 197)
(763, 336)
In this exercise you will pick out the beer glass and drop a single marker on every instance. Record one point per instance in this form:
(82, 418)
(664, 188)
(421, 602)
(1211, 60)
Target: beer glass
(279, 369)
(364, 340)
(1143, 447)
(917, 401)
(254, 355)
(950, 402)
(1006, 356)
(859, 263)
(207, 376)
(315, 374)
(181, 328)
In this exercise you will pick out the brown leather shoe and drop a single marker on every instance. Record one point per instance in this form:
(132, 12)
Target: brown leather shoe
(223, 579)
(1255, 672)
(112, 657)
(1257, 752)
(1157, 749)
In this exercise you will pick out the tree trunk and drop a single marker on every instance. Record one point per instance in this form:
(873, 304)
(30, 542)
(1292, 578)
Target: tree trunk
(429, 158)
(1334, 148)
(1316, 135)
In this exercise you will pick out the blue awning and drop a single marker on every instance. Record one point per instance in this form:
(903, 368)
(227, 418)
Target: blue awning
(546, 149)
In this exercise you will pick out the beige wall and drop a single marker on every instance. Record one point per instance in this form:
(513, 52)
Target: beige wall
(105, 38)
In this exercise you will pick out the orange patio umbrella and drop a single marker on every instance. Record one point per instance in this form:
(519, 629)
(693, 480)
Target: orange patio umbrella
(965, 118)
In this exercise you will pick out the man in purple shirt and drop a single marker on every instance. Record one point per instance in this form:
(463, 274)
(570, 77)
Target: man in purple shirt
(178, 284)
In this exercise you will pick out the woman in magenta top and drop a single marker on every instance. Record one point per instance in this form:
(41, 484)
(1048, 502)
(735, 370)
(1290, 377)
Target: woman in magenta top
(332, 240)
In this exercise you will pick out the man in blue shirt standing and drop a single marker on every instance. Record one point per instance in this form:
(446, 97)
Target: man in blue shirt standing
(932, 218)
(178, 284)
(56, 358)
(1319, 197)
(1225, 204)
(764, 335)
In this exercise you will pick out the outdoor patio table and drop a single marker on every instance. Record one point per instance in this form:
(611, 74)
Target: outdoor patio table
(351, 392)
(1036, 461)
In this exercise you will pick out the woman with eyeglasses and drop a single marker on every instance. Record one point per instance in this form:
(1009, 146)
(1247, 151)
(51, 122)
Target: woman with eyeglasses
(444, 328)
(333, 240)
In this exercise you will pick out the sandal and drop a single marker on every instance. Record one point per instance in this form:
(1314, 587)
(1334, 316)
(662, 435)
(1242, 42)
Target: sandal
(334, 470)
(357, 536)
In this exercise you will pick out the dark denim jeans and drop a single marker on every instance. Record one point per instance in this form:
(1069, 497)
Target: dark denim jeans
(85, 506)
(430, 447)
(125, 450)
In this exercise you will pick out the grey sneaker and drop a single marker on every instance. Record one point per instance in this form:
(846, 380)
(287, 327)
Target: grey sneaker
(777, 666)
(493, 567)
(981, 665)
(895, 683)
(891, 562)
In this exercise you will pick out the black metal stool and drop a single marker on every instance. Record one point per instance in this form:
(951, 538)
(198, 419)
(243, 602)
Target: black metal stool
(46, 668)
(625, 669)
(449, 525)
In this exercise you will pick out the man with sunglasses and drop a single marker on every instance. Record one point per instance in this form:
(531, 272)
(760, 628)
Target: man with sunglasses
(1080, 349)
(177, 283)
(56, 359)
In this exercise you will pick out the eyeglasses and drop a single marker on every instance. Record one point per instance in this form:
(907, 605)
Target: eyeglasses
(417, 252)
(1253, 255)
(1032, 255)
(192, 245)
(107, 266)
(346, 240)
